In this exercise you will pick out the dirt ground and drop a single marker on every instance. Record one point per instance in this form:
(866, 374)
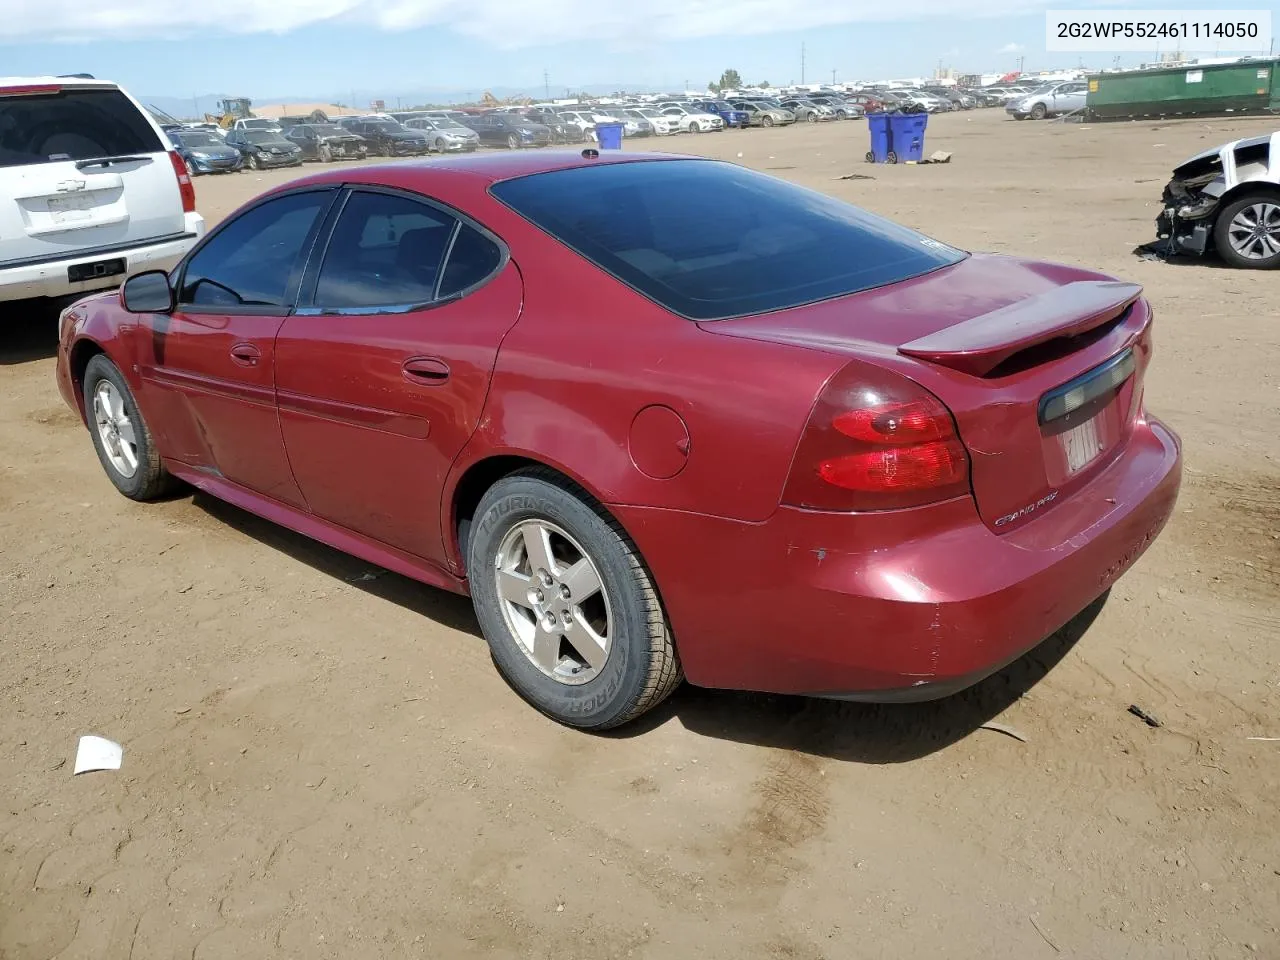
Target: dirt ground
(320, 760)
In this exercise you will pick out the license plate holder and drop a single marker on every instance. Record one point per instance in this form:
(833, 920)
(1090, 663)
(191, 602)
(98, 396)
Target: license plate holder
(96, 270)
(1081, 444)
(72, 208)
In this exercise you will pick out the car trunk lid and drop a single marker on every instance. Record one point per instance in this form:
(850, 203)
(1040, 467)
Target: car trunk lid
(80, 167)
(1041, 366)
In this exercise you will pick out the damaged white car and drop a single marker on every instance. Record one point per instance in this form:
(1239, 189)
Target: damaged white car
(1226, 200)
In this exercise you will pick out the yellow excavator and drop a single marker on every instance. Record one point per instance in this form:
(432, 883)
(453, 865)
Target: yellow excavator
(230, 110)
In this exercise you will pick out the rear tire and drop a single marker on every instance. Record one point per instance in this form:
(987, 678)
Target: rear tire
(120, 435)
(636, 665)
(1233, 228)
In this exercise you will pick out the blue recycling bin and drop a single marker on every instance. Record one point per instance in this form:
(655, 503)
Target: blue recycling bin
(609, 135)
(878, 125)
(906, 135)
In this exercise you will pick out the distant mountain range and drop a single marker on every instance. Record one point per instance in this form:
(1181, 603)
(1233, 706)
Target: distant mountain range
(187, 107)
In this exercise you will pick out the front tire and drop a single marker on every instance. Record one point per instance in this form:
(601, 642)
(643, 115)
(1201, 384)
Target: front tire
(513, 142)
(120, 435)
(766, 122)
(566, 604)
(253, 162)
(1247, 232)
(811, 118)
(1039, 111)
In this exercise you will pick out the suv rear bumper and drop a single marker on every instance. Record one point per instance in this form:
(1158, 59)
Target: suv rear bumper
(49, 277)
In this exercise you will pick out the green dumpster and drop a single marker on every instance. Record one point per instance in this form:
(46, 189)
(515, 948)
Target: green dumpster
(1246, 86)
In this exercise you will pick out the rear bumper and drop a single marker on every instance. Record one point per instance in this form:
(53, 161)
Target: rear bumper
(900, 605)
(49, 278)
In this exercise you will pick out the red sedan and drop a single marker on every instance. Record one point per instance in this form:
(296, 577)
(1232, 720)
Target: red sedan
(659, 416)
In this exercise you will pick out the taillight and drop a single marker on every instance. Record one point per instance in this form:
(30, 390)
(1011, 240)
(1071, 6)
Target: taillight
(877, 441)
(185, 186)
(30, 89)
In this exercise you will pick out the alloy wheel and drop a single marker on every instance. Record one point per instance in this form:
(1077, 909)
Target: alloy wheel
(1254, 232)
(553, 601)
(115, 429)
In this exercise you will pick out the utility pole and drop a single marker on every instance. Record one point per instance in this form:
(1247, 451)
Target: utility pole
(802, 61)
(546, 84)
(1020, 61)
(833, 76)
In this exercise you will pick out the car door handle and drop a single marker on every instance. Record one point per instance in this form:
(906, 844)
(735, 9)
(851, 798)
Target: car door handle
(427, 370)
(246, 354)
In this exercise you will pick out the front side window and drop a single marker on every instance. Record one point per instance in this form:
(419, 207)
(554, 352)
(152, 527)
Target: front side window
(713, 240)
(386, 251)
(255, 259)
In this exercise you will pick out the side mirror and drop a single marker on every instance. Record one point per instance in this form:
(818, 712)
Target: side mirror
(148, 292)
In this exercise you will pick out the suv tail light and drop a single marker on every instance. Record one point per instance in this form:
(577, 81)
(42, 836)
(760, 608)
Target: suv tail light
(877, 441)
(185, 186)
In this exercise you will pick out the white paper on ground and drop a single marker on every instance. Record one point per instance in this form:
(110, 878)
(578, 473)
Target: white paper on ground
(97, 753)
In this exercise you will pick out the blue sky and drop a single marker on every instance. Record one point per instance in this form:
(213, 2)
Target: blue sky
(327, 49)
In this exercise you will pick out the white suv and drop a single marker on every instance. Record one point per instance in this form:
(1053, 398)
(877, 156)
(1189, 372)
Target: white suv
(91, 189)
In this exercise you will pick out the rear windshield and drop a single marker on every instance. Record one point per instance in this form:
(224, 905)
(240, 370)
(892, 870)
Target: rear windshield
(72, 125)
(711, 240)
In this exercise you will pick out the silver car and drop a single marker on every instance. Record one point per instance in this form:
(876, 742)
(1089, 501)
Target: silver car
(1051, 100)
(762, 114)
(808, 111)
(445, 135)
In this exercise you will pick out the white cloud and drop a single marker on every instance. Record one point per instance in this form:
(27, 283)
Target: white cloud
(1011, 48)
(505, 23)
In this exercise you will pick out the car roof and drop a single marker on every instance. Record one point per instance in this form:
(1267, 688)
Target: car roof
(490, 167)
(79, 82)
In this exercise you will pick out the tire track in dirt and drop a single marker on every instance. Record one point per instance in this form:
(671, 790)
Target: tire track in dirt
(1231, 527)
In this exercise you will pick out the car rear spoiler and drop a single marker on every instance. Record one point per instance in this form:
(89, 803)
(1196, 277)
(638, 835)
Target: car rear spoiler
(978, 345)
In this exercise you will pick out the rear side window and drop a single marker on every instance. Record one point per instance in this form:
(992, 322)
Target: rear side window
(72, 125)
(472, 258)
(712, 240)
(385, 251)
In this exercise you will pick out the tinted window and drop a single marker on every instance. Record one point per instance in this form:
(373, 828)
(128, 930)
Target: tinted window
(197, 140)
(472, 258)
(385, 251)
(712, 240)
(255, 258)
(72, 125)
